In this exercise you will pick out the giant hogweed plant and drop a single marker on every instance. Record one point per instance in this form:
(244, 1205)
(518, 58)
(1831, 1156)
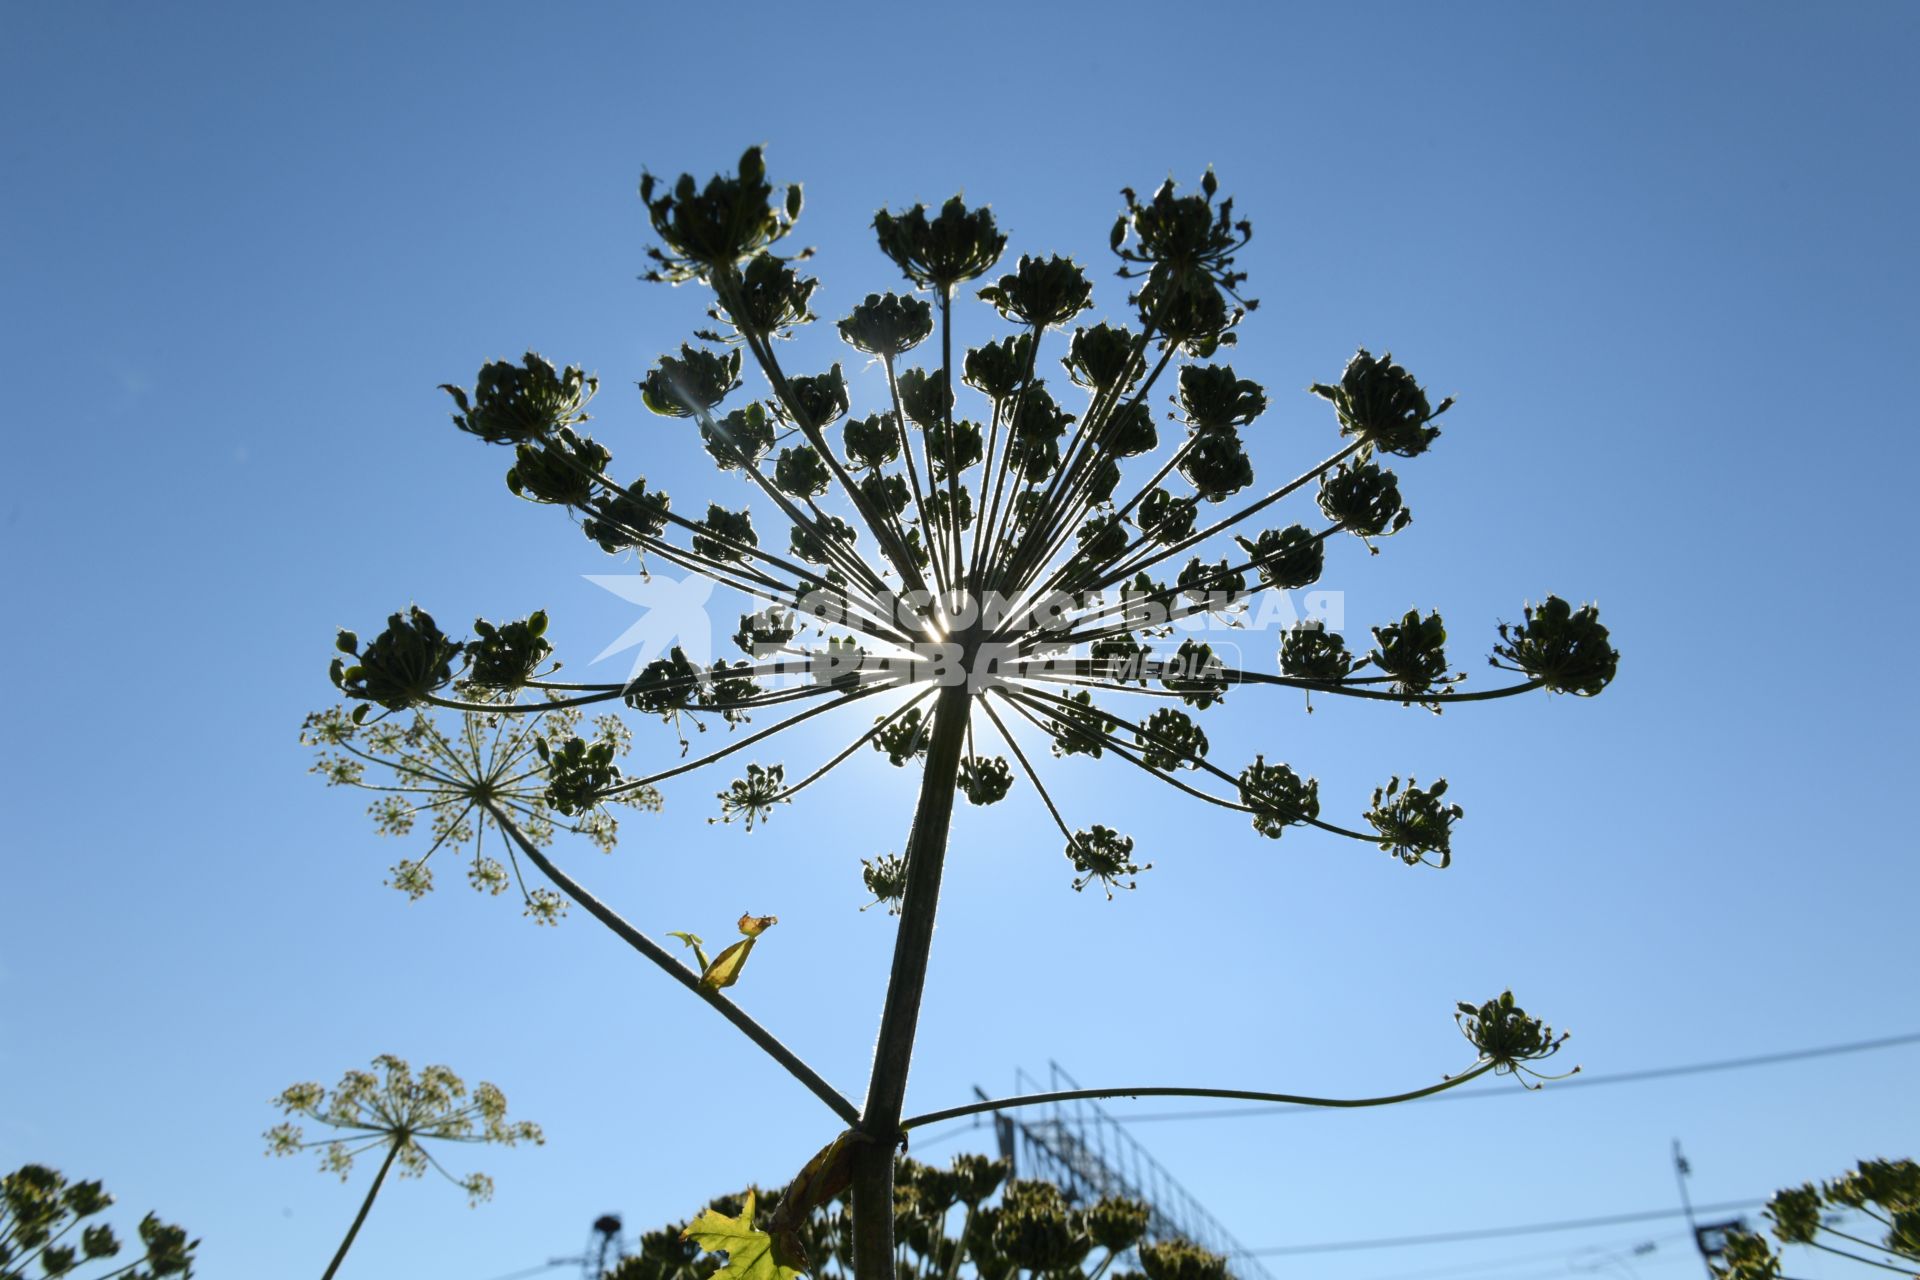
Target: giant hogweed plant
(982, 576)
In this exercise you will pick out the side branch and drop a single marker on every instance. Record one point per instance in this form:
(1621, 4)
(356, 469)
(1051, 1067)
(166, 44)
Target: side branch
(1170, 1091)
(653, 951)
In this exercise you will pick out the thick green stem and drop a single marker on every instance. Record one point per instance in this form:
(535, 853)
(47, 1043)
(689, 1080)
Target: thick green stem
(393, 1149)
(886, 1091)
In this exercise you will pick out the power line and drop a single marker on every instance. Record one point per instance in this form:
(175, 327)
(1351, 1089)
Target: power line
(1577, 1082)
(921, 1144)
(1491, 1233)
(524, 1272)
(1481, 1268)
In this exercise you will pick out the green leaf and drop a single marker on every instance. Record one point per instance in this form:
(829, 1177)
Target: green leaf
(693, 940)
(749, 1252)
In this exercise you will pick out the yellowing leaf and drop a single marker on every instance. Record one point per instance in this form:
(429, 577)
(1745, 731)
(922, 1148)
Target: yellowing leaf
(829, 1173)
(749, 1251)
(725, 969)
(753, 926)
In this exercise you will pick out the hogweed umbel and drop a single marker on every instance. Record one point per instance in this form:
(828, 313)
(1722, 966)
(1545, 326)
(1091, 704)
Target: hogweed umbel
(40, 1212)
(395, 1109)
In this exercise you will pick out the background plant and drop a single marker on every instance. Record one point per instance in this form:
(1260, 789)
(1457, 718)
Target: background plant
(40, 1211)
(1004, 553)
(963, 1220)
(1884, 1192)
(392, 1109)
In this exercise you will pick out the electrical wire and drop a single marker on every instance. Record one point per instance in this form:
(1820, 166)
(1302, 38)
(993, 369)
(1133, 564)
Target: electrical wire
(1534, 1258)
(1494, 1233)
(920, 1144)
(524, 1272)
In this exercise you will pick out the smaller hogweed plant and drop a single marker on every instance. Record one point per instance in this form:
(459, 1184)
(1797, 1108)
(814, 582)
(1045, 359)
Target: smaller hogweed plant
(50, 1227)
(1883, 1193)
(392, 1109)
(980, 569)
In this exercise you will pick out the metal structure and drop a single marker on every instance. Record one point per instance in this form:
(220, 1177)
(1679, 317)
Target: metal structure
(606, 1248)
(1087, 1152)
(1709, 1237)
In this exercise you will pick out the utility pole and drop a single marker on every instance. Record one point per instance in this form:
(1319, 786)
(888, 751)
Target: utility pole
(1710, 1238)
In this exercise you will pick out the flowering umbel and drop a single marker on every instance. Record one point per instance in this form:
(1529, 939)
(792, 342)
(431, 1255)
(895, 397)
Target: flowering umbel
(459, 772)
(1507, 1038)
(1021, 508)
(392, 1108)
(40, 1211)
(1884, 1194)
(397, 1111)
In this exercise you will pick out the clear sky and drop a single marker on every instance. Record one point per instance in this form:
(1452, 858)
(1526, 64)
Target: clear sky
(1662, 253)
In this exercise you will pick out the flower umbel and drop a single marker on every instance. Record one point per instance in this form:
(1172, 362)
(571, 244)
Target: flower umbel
(39, 1212)
(393, 1108)
(458, 771)
(894, 545)
(1508, 1038)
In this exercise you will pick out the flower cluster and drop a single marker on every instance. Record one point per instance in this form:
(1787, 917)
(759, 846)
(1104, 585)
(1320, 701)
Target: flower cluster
(1505, 1036)
(39, 1213)
(394, 1109)
(1885, 1194)
(1034, 539)
(460, 773)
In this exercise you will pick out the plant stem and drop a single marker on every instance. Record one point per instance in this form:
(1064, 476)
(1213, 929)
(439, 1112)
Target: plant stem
(653, 951)
(1854, 1257)
(886, 1091)
(1166, 1091)
(952, 1268)
(393, 1149)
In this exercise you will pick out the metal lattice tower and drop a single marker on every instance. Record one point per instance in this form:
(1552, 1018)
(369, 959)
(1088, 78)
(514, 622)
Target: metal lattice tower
(1083, 1149)
(606, 1248)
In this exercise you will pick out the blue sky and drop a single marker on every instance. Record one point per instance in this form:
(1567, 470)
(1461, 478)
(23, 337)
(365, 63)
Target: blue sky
(1657, 251)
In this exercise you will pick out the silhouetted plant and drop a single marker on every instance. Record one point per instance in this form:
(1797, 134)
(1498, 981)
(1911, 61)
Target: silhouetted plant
(974, 574)
(39, 1213)
(965, 1220)
(1884, 1192)
(392, 1109)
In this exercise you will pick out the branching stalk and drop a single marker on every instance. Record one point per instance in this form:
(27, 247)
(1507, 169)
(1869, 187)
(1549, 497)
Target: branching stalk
(1177, 1091)
(660, 956)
